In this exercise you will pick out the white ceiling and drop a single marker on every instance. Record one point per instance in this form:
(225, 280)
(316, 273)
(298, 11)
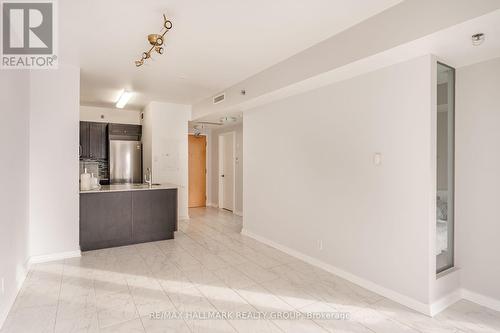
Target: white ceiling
(452, 46)
(213, 44)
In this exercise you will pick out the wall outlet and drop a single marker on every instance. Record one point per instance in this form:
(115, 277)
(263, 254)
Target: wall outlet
(320, 244)
(2, 286)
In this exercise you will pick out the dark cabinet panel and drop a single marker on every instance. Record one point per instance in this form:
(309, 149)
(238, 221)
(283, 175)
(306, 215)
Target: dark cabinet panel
(111, 219)
(155, 214)
(141, 207)
(93, 140)
(105, 220)
(98, 137)
(84, 140)
(165, 208)
(125, 132)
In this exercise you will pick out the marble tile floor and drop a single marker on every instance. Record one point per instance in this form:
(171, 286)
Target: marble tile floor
(210, 266)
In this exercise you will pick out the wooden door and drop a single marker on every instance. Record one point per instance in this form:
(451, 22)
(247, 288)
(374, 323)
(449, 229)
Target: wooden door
(197, 171)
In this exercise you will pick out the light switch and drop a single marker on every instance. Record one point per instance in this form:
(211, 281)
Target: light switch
(377, 158)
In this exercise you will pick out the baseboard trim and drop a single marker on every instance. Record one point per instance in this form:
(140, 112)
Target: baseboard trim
(480, 299)
(427, 309)
(383, 291)
(444, 302)
(235, 212)
(53, 257)
(31, 261)
(183, 218)
(10, 302)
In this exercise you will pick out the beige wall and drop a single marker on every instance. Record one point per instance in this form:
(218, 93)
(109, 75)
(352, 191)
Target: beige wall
(477, 221)
(213, 160)
(309, 176)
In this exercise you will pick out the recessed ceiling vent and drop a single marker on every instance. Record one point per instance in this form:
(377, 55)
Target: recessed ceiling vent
(219, 98)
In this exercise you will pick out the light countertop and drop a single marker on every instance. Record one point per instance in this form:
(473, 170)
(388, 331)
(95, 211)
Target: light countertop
(131, 187)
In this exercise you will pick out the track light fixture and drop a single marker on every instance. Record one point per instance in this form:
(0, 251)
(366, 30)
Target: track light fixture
(156, 41)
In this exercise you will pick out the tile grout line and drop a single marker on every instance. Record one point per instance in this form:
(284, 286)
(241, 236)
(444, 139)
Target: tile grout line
(135, 306)
(59, 296)
(164, 291)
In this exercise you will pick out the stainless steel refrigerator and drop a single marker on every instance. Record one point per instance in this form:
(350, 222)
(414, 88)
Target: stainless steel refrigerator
(125, 161)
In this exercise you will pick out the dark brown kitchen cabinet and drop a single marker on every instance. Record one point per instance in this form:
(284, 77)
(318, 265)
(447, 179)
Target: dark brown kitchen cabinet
(105, 220)
(98, 140)
(84, 140)
(152, 214)
(93, 140)
(109, 219)
(125, 132)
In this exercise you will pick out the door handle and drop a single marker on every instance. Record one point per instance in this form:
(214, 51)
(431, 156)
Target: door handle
(222, 176)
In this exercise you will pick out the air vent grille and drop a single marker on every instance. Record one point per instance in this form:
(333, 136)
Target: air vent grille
(219, 98)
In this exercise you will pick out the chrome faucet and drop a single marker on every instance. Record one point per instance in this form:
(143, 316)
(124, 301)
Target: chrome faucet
(148, 177)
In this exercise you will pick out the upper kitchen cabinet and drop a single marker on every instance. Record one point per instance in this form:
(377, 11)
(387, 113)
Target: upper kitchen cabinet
(93, 140)
(98, 140)
(125, 132)
(84, 140)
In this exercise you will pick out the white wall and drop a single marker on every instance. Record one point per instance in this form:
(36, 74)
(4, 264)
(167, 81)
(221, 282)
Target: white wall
(54, 194)
(213, 168)
(14, 144)
(165, 141)
(477, 177)
(311, 176)
(109, 115)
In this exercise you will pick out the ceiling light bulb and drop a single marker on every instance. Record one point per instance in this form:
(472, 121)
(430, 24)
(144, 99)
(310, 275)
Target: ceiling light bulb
(478, 39)
(124, 98)
(159, 49)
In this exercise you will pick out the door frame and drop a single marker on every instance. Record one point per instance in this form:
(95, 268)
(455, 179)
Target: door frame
(207, 170)
(221, 137)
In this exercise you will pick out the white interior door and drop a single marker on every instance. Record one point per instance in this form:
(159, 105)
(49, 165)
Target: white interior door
(226, 171)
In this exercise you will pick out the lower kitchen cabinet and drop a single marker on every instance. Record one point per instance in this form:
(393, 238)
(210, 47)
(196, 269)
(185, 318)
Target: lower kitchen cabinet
(109, 219)
(149, 211)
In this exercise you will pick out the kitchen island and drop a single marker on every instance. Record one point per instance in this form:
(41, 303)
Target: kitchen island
(117, 215)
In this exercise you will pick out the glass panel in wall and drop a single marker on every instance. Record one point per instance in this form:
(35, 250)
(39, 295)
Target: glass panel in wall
(445, 167)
